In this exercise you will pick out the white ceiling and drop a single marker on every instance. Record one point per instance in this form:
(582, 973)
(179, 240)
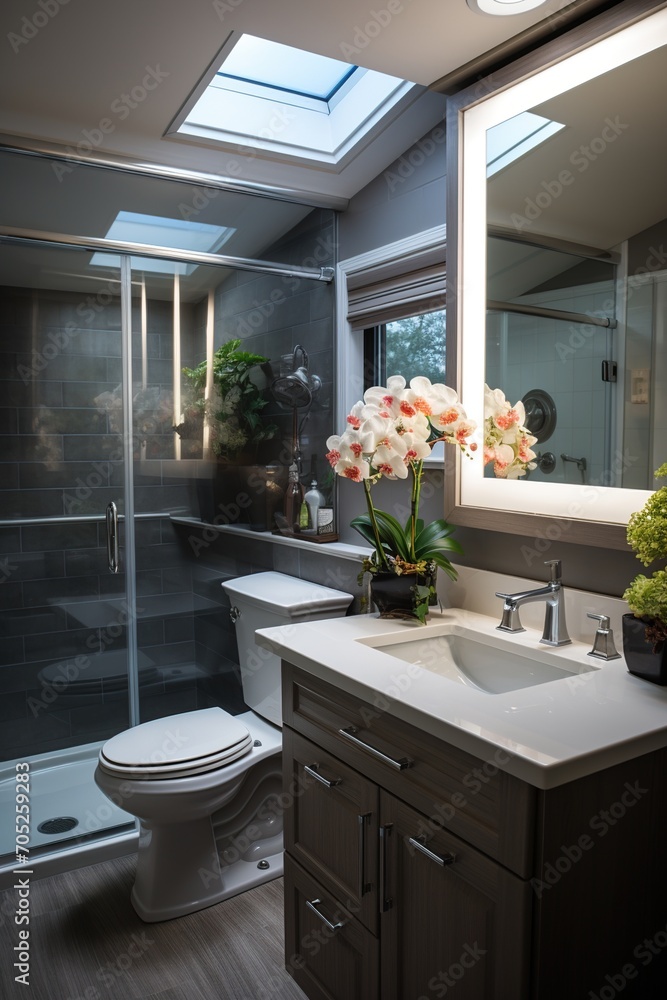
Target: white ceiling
(65, 78)
(617, 187)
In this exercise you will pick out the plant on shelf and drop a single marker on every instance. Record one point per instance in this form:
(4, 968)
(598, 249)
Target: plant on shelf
(389, 434)
(234, 411)
(647, 595)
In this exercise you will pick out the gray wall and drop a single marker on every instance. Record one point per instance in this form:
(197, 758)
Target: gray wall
(407, 198)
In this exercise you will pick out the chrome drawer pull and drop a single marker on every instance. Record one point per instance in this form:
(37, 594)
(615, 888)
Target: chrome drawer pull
(399, 764)
(386, 902)
(313, 904)
(364, 886)
(440, 859)
(311, 769)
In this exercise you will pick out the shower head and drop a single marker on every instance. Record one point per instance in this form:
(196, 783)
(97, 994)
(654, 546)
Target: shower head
(294, 386)
(296, 389)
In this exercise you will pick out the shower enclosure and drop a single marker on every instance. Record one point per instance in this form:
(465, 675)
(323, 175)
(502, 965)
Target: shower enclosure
(101, 610)
(551, 326)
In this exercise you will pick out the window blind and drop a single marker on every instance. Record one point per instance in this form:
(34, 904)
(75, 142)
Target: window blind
(396, 289)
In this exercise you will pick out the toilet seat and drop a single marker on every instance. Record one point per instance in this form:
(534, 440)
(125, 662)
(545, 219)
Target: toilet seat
(177, 746)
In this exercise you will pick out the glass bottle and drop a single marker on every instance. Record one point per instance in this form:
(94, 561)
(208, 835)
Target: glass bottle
(293, 496)
(314, 500)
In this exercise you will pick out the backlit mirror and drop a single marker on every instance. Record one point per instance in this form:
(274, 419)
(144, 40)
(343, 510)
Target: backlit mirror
(560, 271)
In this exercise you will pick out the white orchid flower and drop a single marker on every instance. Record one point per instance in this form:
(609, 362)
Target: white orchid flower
(428, 397)
(416, 447)
(383, 400)
(351, 468)
(502, 460)
(447, 420)
(389, 463)
(355, 416)
(377, 427)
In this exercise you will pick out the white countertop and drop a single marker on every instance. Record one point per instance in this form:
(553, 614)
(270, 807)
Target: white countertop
(552, 732)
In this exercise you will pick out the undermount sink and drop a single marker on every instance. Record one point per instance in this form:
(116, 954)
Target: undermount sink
(487, 663)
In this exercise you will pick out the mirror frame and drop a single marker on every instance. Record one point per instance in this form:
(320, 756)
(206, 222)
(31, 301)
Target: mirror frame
(565, 525)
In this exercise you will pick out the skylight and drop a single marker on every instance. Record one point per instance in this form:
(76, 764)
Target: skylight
(282, 67)
(286, 102)
(132, 227)
(509, 140)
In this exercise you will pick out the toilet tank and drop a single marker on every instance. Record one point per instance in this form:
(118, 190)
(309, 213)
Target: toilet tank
(260, 601)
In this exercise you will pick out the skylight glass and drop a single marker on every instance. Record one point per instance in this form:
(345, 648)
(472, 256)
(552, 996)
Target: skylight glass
(132, 227)
(291, 104)
(271, 64)
(509, 140)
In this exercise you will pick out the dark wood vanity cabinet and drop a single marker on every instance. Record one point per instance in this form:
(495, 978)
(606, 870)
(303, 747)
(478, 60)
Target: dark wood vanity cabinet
(415, 871)
(382, 899)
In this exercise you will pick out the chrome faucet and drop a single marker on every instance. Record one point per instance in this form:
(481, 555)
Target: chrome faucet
(555, 629)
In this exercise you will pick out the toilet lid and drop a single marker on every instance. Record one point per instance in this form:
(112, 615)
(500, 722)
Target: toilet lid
(177, 745)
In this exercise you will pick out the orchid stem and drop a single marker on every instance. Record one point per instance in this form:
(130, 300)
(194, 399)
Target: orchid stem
(376, 531)
(416, 468)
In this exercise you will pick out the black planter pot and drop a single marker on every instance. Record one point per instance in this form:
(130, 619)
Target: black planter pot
(639, 655)
(394, 595)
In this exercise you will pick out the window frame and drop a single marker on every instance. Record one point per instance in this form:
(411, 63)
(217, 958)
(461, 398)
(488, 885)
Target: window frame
(350, 356)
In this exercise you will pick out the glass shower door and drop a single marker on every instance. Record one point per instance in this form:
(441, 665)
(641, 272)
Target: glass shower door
(64, 610)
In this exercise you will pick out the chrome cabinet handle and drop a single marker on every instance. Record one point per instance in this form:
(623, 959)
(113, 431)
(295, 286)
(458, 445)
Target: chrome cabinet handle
(312, 770)
(312, 904)
(364, 886)
(440, 859)
(386, 903)
(112, 537)
(350, 734)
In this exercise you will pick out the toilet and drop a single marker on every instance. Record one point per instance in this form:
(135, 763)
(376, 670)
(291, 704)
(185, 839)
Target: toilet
(206, 785)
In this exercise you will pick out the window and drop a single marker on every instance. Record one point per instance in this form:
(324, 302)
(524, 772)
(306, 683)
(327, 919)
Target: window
(273, 66)
(132, 227)
(414, 345)
(513, 138)
(389, 298)
(289, 102)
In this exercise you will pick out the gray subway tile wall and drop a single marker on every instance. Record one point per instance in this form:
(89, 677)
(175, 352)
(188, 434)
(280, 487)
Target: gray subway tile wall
(59, 455)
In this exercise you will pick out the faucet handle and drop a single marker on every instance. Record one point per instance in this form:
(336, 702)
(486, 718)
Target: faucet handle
(604, 647)
(555, 568)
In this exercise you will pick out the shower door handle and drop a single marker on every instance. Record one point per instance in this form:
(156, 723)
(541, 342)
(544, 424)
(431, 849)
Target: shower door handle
(112, 537)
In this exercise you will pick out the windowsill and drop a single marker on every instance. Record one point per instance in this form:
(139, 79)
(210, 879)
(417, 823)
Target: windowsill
(342, 550)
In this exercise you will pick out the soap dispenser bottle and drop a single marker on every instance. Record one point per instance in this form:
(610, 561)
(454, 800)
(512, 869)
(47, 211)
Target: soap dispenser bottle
(314, 500)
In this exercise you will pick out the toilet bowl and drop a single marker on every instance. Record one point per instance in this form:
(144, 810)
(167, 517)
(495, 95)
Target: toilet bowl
(205, 785)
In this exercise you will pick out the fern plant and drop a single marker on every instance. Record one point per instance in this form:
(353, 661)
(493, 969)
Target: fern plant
(235, 408)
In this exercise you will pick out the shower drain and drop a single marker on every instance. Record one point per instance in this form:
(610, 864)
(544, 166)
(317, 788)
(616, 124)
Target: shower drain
(60, 824)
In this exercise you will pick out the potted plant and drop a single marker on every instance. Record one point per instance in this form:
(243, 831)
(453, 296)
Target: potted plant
(389, 434)
(234, 410)
(237, 430)
(645, 630)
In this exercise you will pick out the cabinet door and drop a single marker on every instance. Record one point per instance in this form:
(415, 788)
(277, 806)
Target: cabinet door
(327, 951)
(331, 826)
(449, 915)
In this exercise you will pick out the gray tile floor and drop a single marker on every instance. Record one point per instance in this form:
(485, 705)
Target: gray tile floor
(87, 943)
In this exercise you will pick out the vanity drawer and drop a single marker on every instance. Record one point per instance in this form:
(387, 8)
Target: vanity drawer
(327, 951)
(455, 791)
(331, 827)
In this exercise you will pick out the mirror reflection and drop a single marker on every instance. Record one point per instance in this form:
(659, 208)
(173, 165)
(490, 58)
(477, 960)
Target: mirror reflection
(577, 275)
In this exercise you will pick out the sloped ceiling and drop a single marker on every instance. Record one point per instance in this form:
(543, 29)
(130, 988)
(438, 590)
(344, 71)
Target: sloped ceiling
(66, 62)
